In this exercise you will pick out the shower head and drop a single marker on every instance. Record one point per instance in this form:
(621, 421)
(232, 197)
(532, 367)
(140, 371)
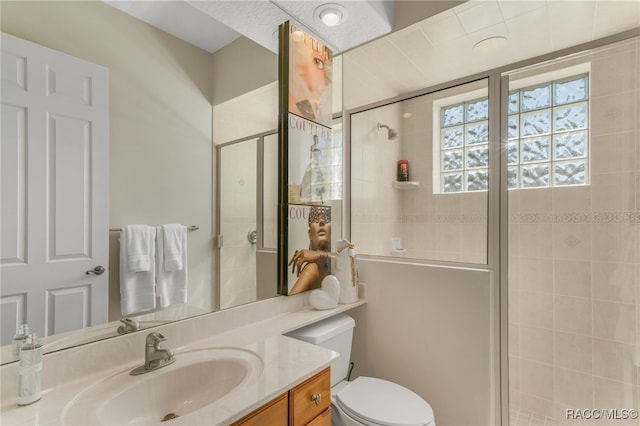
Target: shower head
(391, 133)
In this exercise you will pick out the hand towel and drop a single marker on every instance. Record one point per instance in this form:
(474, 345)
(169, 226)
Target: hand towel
(171, 284)
(139, 247)
(137, 288)
(174, 238)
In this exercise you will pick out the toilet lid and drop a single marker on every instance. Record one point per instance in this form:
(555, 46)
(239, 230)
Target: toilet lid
(378, 401)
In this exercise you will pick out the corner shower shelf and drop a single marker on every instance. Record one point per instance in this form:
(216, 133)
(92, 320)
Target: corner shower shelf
(406, 185)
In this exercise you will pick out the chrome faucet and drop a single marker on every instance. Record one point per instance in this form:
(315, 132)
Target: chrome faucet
(128, 325)
(154, 356)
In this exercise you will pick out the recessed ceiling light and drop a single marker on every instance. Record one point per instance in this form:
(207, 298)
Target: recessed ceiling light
(406, 115)
(490, 44)
(330, 14)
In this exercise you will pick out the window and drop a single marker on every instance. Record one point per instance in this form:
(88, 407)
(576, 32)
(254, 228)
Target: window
(464, 144)
(548, 129)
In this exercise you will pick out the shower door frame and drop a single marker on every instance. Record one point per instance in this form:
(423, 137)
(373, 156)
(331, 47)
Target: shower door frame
(502, 250)
(259, 138)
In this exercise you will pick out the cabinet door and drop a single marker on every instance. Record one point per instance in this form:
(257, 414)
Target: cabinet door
(310, 399)
(274, 413)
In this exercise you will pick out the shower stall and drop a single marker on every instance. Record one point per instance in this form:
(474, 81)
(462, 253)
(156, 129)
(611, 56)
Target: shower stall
(533, 173)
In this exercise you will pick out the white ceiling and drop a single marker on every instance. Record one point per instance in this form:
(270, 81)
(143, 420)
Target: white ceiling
(432, 51)
(440, 48)
(212, 24)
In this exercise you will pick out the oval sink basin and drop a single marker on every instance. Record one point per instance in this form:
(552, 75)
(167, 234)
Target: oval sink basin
(197, 379)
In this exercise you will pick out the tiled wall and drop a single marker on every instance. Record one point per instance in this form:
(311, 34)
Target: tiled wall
(574, 266)
(375, 204)
(432, 226)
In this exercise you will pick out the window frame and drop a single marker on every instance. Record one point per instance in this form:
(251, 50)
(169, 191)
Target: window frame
(548, 78)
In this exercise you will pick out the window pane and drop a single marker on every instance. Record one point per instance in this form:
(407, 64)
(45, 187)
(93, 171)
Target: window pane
(570, 145)
(478, 110)
(512, 177)
(477, 133)
(452, 160)
(452, 182)
(478, 156)
(570, 118)
(452, 137)
(570, 91)
(536, 98)
(536, 123)
(452, 115)
(514, 103)
(537, 149)
(477, 180)
(513, 127)
(535, 176)
(512, 152)
(570, 172)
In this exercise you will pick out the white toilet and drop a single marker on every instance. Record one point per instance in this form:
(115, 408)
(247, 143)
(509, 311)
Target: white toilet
(366, 400)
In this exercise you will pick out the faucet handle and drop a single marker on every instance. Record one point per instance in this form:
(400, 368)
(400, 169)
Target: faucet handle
(155, 338)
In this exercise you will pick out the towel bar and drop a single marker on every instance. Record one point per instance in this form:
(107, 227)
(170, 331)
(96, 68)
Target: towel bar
(189, 228)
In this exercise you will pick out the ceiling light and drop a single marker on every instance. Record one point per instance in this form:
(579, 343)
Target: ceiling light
(406, 115)
(490, 44)
(330, 14)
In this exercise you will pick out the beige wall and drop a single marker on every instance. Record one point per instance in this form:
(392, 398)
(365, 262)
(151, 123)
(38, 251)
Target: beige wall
(429, 329)
(241, 67)
(161, 118)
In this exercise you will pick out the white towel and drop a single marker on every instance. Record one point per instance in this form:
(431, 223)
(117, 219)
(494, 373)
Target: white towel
(171, 283)
(137, 285)
(174, 238)
(139, 243)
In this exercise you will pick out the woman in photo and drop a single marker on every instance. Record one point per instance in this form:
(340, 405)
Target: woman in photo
(312, 265)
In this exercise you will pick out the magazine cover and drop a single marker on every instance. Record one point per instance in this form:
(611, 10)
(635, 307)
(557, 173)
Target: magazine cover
(309, 244)
(309, 177)
(310, 77)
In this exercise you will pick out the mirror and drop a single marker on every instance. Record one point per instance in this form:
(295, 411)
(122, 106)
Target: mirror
(160, 113)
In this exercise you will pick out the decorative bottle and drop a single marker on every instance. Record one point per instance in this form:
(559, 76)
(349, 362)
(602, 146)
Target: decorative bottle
(29, 385)
(403, 171)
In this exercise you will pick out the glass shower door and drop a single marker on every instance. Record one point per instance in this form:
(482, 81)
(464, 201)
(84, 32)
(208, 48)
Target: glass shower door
(238, 222)
(574, 246)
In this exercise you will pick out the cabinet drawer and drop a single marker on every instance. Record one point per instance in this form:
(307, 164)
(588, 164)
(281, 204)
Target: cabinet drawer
(323, 419)
(310, 399)
(272, 414)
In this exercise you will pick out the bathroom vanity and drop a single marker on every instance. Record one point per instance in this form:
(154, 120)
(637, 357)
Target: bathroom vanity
(232, 367)
(306, 404)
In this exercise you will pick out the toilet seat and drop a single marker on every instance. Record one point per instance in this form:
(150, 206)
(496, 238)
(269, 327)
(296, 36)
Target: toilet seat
(377, 402)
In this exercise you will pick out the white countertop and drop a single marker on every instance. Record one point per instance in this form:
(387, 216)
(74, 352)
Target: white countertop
(286, 363)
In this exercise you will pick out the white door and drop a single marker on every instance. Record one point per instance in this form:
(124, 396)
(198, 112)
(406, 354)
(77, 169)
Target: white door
(54, 190)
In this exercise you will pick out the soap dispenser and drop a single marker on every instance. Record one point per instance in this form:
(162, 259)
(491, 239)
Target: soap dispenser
(30, 371)
(19, 339)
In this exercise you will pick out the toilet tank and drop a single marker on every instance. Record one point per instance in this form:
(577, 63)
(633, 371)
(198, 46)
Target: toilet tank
(333, 333)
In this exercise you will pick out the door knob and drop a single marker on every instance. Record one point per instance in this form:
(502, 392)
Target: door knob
(98, 270)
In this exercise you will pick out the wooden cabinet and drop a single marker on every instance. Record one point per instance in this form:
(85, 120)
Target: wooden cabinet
(274, 413)
(310, 399)
(308, 404)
